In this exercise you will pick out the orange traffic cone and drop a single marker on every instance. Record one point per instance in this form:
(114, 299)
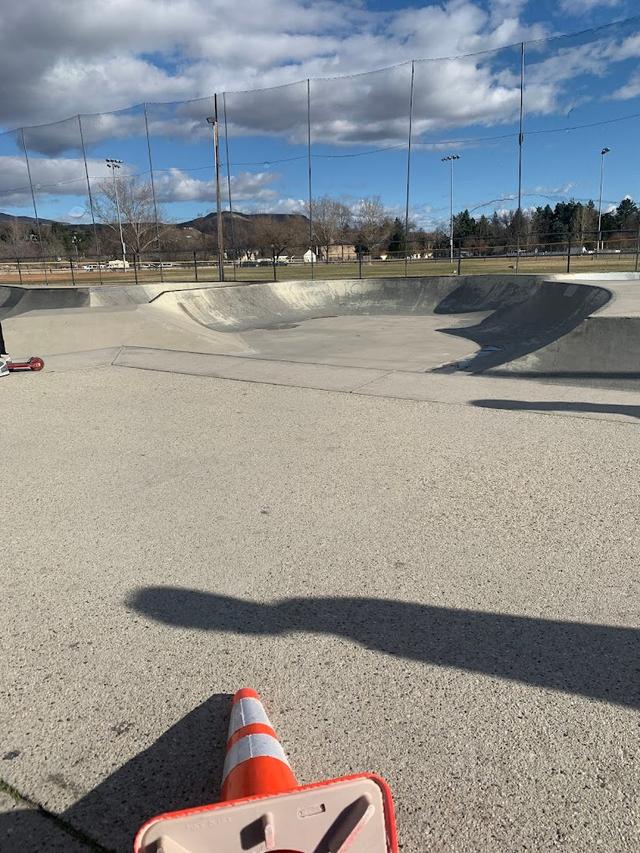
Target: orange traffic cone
(255, 764)
(264, 809)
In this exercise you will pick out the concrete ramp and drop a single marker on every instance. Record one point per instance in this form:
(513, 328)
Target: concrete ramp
(53, 321)
(516, 316)
(523, 319)
(604, 343)
(526, 324)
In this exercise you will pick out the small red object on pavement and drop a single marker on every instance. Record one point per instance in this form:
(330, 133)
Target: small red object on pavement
(33, 363)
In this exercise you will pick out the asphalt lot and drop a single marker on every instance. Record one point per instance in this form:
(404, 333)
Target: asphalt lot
(446, 594)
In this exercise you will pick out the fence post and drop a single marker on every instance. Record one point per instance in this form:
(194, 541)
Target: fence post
(136, 261)
(273, 257)
(635, 268)
(569, 253)
(35, 209)
(91, 208)
(153, 186)
(459, 259)
(73, 278)
(520, 144)
(228, 167)
(406, 209)
(359, 263)
(20, 268)
(311, 240)
(195, 266)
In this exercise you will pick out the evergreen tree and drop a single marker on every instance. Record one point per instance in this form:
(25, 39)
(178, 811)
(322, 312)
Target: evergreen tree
(397, 245)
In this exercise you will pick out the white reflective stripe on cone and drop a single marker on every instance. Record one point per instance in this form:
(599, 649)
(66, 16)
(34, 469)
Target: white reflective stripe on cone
(245, 712)
(253, 746)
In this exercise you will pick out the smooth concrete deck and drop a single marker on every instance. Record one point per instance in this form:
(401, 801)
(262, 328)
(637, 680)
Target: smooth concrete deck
(426, 574)
(443, 593)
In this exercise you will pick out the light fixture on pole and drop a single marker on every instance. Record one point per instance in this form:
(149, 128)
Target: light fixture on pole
(213, 121)
(113, 165)
(450, 158)
(604, 152)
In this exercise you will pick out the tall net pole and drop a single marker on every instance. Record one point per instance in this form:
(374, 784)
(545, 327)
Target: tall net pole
(451, 210)
(406, 209)
(35, 207)
(228, 169)
(520, 144)
(90, 194)
(216, 155)
(153, 191)
(309, 173)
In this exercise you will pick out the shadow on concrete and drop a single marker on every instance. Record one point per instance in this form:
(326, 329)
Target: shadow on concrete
(559, 406)
(524, 317)
(182, 768)
(596, 661)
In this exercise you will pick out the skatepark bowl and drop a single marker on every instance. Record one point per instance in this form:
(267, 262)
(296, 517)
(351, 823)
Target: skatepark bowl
(404, 511)
(562, 326)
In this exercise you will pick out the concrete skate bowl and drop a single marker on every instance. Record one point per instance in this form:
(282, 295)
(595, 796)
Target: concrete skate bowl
(20, 300)
(517, 325)
(490, 322)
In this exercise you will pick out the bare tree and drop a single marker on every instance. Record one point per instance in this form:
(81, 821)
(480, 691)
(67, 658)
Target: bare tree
(17, 239)
(331, 219)
(273, 236)
(136, 210)
(372, 223)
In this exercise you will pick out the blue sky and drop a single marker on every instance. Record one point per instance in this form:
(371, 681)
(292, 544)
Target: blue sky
(582, 93)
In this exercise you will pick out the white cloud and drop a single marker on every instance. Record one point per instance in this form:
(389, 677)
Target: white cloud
(65, 176)
(60, 176)
(631, 88)
(69, 56)
(579, 7)
(255, 187)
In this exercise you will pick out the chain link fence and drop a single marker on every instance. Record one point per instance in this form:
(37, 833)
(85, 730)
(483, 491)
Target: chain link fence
(380, 173)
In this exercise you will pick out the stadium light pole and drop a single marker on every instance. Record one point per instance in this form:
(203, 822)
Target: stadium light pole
(603, 153)
(213, 121)
(113, 165)
(450, 158)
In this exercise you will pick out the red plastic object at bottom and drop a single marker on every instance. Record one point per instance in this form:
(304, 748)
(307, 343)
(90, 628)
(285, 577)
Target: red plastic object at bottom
(33, 363)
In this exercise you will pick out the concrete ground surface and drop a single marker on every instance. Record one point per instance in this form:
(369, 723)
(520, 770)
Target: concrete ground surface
(431, 575)
(364, 342)
(441, 592)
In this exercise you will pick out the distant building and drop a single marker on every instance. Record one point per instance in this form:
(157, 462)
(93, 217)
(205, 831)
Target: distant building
(310, 257)
(342, 252)
(118, 265)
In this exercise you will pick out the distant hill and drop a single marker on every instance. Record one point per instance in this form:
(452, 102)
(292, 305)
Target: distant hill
(206, 224)
(209, 223)
(59, 236)
(28, 220)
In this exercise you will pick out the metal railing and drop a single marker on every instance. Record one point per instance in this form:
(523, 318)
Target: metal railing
(620, 252)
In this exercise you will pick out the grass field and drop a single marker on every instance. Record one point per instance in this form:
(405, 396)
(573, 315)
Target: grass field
(35, 275)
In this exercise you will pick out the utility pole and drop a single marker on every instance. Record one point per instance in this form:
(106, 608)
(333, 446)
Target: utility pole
(213, 121)
(113, 165)
(450, 158)
(520, 144)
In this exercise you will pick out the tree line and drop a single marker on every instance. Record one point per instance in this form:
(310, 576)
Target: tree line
(366, 228)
